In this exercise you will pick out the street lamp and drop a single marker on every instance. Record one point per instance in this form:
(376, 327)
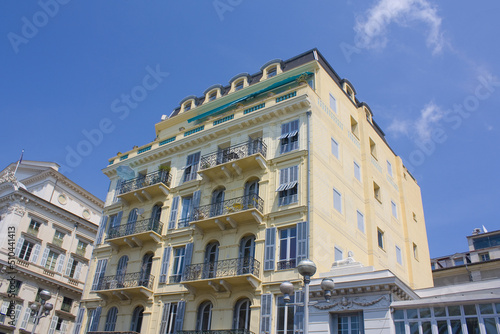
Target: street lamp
(42, 310)
(307, 268)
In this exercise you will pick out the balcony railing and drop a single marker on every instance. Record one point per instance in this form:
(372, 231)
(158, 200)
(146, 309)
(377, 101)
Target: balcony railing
(114, 332)
(233, 153)
(57, 242)
(175, 279)
(150, 179)
(145, 225)
(32, 231)
(223, 268)
(230, 206)
(81, 251)
(66, 307)
(287, 264)
(217, 331)
(131, 280)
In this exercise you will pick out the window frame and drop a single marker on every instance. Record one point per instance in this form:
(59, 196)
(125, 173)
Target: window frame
(289, 243)
(334, 108)
(357, 171)
(335, 149)
(289, 139)
(399, 255)
(380, 239)
(337, 200)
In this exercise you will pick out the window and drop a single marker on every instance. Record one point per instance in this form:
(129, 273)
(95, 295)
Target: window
(394, 210)
(484, 257)
(289, 139)
(458, 261)
(357, 171)
(191, 168)
(168, 319)
(51, 260)
(415, 251)
(271, 72)
(242, 315)
(288, 185)
(335, 149)
(58, 238)
(349, 324)
(137, 317)
(111, 319)
(399, 256)
(186, 211)
(376, 192)
(74, 271)
(178, 265)
(60, 324)
(26, 250)
(212, 96)
(354, 127)
(34, 227)
(37, 297)
(389, 168)
(187, 106)
(285, 316)
(66, 304)
(339, 254)
(361, 221)
(373, 149)
(81, 248)
(239, 85)
(288, 248)
(333, 103)
(204, 321)
(380, 238)
(14, 287)
(337, 200)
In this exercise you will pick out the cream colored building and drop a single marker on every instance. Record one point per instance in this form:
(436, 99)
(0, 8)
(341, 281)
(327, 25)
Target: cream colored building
(48, 225)
(203, 224)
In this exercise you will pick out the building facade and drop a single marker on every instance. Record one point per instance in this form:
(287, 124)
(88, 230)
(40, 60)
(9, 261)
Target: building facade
(203, 224)
(47, 230)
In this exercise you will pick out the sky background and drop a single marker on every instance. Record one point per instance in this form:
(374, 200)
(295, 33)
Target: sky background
(429, 71)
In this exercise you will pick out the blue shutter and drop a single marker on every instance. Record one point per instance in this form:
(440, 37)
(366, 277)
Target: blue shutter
(302, 241)
(269, 250)
(164, 265)
(119, 216)
(44, 256)
(164, 318)
(266, 303)
(298, 319)
(36, 252)
(96, 316)
(179, 320)
(19, 245)
(173, 213)
(188, 254)
(102, 228)
(78, 321)
(99, 273)
(195, 203)
(196, 162)
(69, 265)
(111, 320)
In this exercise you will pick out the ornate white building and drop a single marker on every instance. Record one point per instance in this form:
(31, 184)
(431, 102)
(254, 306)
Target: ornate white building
(48, 224)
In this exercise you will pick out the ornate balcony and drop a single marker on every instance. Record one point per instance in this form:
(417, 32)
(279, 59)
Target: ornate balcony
(239, 210)
(287, 264)
(146, 187)
(134, 234)
(215, 331)
(222, 275)
(126, 287)
(234, 160)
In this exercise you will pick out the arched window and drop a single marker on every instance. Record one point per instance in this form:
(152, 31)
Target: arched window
(137, 315)
(251, 194)
(241, 318)
(204, 321)
(211, 257)
(246, 255)
(111, 319)
(147, 263)
(217, 202)
(121, 270)
(156, 213)
(132, 218)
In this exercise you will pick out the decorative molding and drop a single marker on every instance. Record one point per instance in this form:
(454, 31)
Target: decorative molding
(17, 209)
(8, 176)
(346, 303)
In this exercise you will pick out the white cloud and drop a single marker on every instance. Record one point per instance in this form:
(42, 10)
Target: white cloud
(421, 128)
(371, 29)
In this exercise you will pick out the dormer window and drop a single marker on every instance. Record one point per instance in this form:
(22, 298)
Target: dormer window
(349, 92)
(271, 69)
(212, 96)
(187, 106)
(271, 72)
(239, 85)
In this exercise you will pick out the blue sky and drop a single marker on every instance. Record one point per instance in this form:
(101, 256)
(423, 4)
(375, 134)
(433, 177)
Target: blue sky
(428, 70)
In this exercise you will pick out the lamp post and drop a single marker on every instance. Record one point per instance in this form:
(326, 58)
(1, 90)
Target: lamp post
(42, 310)
(307, 268)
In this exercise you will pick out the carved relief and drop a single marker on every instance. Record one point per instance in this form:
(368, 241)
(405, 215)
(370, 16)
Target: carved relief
(346, 303)
(8, 176)
(17, 209)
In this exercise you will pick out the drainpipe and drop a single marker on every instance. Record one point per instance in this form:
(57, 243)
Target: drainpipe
(309, 113)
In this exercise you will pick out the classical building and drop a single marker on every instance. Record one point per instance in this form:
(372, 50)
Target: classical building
(47, 230)
(203, 224)
(480, 262)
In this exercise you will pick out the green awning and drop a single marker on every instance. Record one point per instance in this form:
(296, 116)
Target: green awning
(225, 107)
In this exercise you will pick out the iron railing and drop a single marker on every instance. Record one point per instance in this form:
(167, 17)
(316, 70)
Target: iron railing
(217, 331)
(144, 225)
(223, 268)
(162, 176)
(113, 332)
(233, 153)
(226, 207)
(183, 222)
(130, 280)
(57, 241)
(287, 264)
(175, 279)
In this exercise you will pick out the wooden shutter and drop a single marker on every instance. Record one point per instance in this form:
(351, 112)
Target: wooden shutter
(44, 256)
(111, 319)
(302, 241)
(102, 228)
(188, 254)
(26, 318)
(53, 324)
(164, 265)
(78, 270)
(60, 263)
(266, 301)
(35, 253)
(173, 213)
(69, 265)
(96, 316)
(99, 272)
(195, 203)
(164, 318)
(78, 321)
(269, 250)
(19, 245)
(179, 320)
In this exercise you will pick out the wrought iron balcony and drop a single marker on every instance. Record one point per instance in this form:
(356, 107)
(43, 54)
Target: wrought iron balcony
(223, 268)
(141, 226)
(175, 279)
(287, 264)
(216, 331)
(161, 176)
(252, 201)
(131, 280)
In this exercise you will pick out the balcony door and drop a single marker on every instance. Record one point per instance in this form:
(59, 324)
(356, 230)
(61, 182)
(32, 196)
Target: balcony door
(241, 318)
(251, 194)
(132, 219)
(217, 202)
(211, 257)
(155, 217)
(121, 270)
(137, 315)
(147, 263)
(247, 255)
(204, 321)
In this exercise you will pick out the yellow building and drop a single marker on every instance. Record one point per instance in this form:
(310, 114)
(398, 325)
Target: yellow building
(240, 184)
